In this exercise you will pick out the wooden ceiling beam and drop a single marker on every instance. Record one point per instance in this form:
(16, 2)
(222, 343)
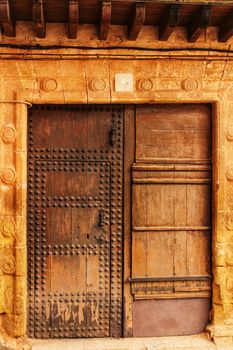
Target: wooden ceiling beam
(105, 21)
(199, 23)
(225, 31)
(73, 19)
(6, 18)
(169, 22)
(137, 21)
(39, 18)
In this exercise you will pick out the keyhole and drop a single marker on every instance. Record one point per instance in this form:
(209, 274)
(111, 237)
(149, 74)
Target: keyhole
(88, 236)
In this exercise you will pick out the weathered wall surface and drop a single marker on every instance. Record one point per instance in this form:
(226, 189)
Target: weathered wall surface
(158, 78)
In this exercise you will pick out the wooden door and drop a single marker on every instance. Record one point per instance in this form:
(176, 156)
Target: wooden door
(171, 219)
(75, 221)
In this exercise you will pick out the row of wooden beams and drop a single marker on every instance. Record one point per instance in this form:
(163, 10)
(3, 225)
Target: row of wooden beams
(6, 18)
(169, 21)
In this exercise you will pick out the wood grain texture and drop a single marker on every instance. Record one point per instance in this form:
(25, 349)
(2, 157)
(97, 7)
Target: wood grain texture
(171, 210)
(74, 225)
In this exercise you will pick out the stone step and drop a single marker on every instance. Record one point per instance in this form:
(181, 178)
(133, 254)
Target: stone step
(195, 342)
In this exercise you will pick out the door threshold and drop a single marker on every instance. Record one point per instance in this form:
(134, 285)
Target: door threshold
(191, 342)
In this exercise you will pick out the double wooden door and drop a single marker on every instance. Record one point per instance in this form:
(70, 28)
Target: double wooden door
(75, 221)
(76, 193)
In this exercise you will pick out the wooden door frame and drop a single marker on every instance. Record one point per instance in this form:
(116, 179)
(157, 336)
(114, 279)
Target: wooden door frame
(26, 98)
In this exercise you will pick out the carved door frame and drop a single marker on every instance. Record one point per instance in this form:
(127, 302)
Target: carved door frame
(27, 98)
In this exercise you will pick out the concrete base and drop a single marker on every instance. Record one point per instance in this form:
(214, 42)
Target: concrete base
(196, 342)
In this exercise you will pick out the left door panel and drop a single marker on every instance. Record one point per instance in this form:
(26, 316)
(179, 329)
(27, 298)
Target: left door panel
(74, 221)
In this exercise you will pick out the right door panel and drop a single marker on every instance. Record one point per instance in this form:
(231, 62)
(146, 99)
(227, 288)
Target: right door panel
(171, 220)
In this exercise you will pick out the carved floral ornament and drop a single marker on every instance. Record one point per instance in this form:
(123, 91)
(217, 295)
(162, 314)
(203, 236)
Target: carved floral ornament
(8, 264)
(229, 172)
(8, 175)
(7, 228)
(229, 132)
(48, 84)
(8, 133)
(99, 84)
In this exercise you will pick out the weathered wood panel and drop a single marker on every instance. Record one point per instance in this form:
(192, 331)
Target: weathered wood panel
(75, 230)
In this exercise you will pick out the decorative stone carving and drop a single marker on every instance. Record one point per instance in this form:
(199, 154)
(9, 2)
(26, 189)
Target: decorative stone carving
(229, 221)
(229, 283)
(19, 303)
(8, 264)
(8, 175)
(8, 299)
(229, 172)
(229, 256)
(229, 132)
(230, 199)
(7, 228)
(97, 84)
(49, 84)
(8, 133)
(190, 84)
(145, 85)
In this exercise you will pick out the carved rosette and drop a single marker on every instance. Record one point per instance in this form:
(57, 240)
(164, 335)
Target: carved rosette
(229, 132)
(8, 175)
(8, 133)
(229, 172)
(48, 84)
(7, 228)
(8, 264)
(97, 84)
(190, 84)
(145, 85)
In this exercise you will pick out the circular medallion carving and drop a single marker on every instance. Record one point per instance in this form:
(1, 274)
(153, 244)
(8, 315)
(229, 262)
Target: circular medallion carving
(229, 221)
(8, 265)
(49, 84)
(8, 133)
(8, 175)
(190, 84)
(145, 85)
(8, 228)
(229, 172)
(98, 84)
(229, 132)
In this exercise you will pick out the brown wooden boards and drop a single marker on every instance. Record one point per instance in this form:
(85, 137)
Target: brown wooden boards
(171, 216)
(75, 221)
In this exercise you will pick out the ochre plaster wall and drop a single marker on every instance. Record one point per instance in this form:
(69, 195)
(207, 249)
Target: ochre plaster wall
(165, 79)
